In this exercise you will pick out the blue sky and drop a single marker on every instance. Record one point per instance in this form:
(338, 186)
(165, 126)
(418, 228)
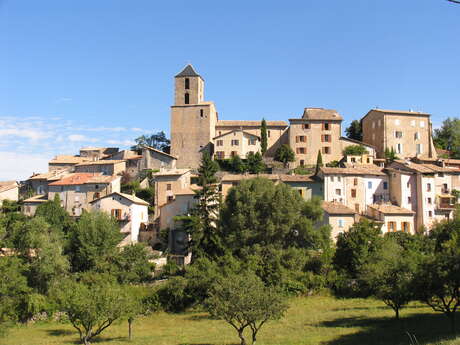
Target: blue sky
(98, 73)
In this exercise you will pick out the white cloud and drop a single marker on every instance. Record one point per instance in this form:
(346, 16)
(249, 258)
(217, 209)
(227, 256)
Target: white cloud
(121, 142)
(16, 166)
(80, 138)
(24, 133)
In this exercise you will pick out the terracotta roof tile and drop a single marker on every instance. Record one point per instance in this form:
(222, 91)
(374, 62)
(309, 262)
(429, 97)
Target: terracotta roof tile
(7, 185)
(230, 123)
(336, 208)
(390, 209)
(321, 114)
(83, 178)
(67, 159)
(358, 169)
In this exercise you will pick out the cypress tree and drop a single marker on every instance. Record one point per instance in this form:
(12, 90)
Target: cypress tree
(263, 137)
(319, 161)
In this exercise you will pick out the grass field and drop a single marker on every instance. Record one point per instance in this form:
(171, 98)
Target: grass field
(310, 320)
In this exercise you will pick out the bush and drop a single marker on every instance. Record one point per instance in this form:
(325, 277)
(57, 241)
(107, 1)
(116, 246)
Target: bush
(355, 150)
(173, 295)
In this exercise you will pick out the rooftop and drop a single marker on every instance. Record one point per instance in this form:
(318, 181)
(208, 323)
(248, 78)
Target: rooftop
(49, 176)
(7, 185)
(173, 172)
(83, 178)
(67, 159)
(421, 168)
(158, 151)
(243, 123)
(400, 112)
(321, 114)
(358, 169)
(102, 162)
(296, 178)
(236, 130)
(390, 209)
(188, 71)
(134, 199)
(333, 207)
(240, 177)
(36, 199)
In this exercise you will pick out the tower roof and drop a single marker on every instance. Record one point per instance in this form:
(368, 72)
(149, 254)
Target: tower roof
(188, 71)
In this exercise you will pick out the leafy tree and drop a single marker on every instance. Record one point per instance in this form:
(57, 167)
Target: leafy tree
(354, 131)
(390, 154)
(173, 295)
(438, 280)
(390, 274)
(448, 136)
(157, 140)
(255, 164)
(55, 215)
(319, 162)
(92, 303)
(285, 154)
(333, 164)
(263, 137)
(93, 242)
(355, 150)
(243, 301)
(9, 206)
(133, 264)
(259, 212)
(237, 164)
(201, 223)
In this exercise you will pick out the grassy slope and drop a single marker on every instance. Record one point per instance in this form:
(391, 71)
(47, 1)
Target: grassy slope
(312, 320)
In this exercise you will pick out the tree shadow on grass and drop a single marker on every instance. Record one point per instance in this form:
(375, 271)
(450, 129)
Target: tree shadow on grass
(59, 332)
(427, 328)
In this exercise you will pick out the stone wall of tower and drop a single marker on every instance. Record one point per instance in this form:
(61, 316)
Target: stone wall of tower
(195, 90)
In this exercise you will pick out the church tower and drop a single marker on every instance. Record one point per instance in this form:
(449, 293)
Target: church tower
(193, 121)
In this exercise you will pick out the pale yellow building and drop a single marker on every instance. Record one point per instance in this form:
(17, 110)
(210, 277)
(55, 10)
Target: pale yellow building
(235, 143)
(106, 167)
(409, 133)
(392, 218)
(339, 217)
(9, 190)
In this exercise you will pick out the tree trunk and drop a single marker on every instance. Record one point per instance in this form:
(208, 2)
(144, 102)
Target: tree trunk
(397, 313)
(130, 328)
(241, 335)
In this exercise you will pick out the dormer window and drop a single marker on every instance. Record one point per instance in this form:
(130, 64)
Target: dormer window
(187, 83)
(187, 98)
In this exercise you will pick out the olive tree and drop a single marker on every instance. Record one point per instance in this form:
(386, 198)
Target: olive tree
(243, 301)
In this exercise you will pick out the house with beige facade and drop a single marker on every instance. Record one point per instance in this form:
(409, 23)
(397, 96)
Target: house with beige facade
(97, 153)
(38, 183)
(153, 159)
(9, 190)
(67, 162)
(106, 167)
(130, 212)
(339, 217)
(29, 206)
(77, 190)
(392, 218)
(235, 143)
(408, 133)
(425, 189)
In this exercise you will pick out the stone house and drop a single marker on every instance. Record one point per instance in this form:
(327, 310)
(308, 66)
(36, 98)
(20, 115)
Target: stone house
(38, 183)
(67, 162)
(356, 187)
(29, 206)
(183, 202)
(153, 159)
(392, 218)
(97, 153)
(409, 133)
(236, 142)
(9, 190)
(106, 167)
(130, 211)
(77, 190)
(339, 217)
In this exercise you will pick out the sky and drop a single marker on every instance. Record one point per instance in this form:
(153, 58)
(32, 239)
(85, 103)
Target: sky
(101, 73)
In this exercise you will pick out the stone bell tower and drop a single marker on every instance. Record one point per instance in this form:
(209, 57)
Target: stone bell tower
(193, 121)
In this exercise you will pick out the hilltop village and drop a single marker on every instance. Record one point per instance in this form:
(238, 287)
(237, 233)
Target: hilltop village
(394, 176)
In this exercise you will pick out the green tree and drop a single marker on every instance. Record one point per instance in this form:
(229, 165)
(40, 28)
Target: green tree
(54, 214)
(92, 303)
(243, 301)
(438, 280)
(201, 224)
(237, 164)
(156, 140)
(448, 136)
(390, 274)
(255, 163)
(319, 162)
(93, 242)
(263, 137)
(284, 154)
(355, 150)
(354, 131)
(390, 154)
(133, 264)
(259, 212)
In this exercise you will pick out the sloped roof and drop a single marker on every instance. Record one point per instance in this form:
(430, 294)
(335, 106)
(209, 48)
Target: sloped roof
(172, 172)
(49, 176)
(240, 177)
(391, 209)
(400, 112)
(7, 185)
(236, 130)
(296, 178)
(67, 159)
(321, 114)
(243, 123)
(83, 178)
(357, 142)
(102, 162)
(37, 199)
(188, 71)
(333, 207)
(134, 199)
(158, 151)
(358, 169)
(421, 168)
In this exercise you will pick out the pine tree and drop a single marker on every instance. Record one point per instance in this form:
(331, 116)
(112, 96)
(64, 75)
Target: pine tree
(263, 137)
(319, 161)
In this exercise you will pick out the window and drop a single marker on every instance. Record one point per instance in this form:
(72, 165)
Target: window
(339, 179)
(170, 198)
(252, 141)
(326, 138)
(429, 201)
(300, 150)
(168, 186)
(428, 187)
(378, 123)
(398, 134)
(355, 181)
(306, 126)
(302, 162)
(326, 126)
(399, 148)
(419, 148)
(416, 136)
(220, 154)
(234, 153)
(220, 143)
(332, 178)
(201, 113)
(373, 125)
(187, 83)
(300, 139)
(369, 184)
(77, 188)
(405, 226)
(268, 134)
(186, 98)
(326, 150)
(357, 208)
(412, 123)
(97, 195)
(353, 193)
(373, 136)
(77, 198)
(422, 124)
(391, 226)
(353, 159)
(445, 188)
(300, 191)
(430, 214)
(409, 199)
(96, 186)
(235, 142)
(385, 185)
(338, 191)
(116, 213)
(340, 223)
